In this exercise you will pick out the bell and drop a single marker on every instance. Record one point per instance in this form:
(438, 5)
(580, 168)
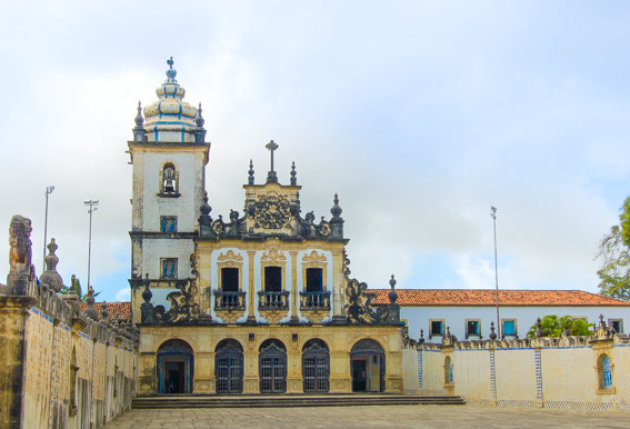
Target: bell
(169, 185)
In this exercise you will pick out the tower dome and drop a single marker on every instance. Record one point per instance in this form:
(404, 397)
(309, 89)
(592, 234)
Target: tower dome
(170, 119)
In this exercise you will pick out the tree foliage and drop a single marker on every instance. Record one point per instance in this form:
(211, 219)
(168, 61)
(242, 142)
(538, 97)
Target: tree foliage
(552, 326)
(614, 255)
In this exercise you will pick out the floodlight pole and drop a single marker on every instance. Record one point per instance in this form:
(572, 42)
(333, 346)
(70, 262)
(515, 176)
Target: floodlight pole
(493, 213)
(49, 190)
(92, 204)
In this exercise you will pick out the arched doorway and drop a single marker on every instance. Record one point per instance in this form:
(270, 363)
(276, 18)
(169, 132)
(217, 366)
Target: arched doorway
(367, 366)
(228, 367)
(315, 366)
(175, 367)
(273, 367)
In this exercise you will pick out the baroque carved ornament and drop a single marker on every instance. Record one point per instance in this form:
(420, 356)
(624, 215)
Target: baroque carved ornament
(271, 211)
(230, 255)
(273, 255)
(314, 257)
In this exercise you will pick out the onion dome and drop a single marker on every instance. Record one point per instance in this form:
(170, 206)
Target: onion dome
(170, 119)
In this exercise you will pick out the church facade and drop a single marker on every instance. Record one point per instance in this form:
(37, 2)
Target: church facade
(261, 302)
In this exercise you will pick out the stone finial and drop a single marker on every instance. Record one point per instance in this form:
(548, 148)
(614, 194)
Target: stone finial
(205, 220)
(146, 293)
(336, 210)
(139, 118)
(539, 332)
(393, 296)
(250, 179)
(293, 174)
(200, 132)
(199, 119)
(493, 335)
(104, 312)
(602, 322)
(90, 311)
(421, 339)
(51, 277)
(139, 133)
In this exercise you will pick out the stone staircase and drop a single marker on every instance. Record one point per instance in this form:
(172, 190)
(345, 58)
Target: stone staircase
(297, 400)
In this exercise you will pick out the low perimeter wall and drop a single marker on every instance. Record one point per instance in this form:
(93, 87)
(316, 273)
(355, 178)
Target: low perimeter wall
(584, 373)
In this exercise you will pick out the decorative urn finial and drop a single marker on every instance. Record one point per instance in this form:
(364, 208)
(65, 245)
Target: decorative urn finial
(293, 174)
(393, 296)
(51, 277)
(250, 179)
(146, 293)
(493, 335)
(104, 312)
(539, 332)
(171, 72)
(90, 311)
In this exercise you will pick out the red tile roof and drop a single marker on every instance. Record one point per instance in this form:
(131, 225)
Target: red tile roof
(488, 297)
(115, 310)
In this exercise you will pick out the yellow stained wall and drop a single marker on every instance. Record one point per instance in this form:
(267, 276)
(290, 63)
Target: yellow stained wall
(204, 340)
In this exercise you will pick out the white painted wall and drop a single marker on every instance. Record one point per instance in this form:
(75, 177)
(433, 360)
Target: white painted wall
(155, 249)
(455, 317)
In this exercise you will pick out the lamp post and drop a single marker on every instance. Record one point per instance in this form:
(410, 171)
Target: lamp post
(493, 213)
(49, 190)
(92, 204)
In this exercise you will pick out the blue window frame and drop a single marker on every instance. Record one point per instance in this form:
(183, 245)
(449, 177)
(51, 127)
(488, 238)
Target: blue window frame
(509, 327)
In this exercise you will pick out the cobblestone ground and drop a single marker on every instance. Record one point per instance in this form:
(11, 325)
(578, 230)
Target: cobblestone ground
(395, 416)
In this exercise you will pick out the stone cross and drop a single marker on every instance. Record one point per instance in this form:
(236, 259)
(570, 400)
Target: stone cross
(272, 177)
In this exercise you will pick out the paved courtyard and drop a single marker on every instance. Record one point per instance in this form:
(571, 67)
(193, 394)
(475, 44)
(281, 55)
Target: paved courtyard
(395, 416)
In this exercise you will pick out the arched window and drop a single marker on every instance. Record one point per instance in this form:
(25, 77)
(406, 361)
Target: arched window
(315, 366)
(448, 371)
(170, 184)
(175, 367)
(229, 366)
(273, 367)
(604, 367)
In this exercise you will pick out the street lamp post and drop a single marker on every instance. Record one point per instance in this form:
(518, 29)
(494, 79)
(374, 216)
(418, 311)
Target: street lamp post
(49, 190)
(92, 204)
(493, 213)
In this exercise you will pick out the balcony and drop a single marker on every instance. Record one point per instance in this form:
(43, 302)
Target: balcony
(229, 300)
(273, 300)
(315, 300)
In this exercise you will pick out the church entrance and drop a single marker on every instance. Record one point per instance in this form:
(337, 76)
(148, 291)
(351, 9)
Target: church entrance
(315, 366)
(229, 367)
(273, 367)
(367, 366)
(175, 367)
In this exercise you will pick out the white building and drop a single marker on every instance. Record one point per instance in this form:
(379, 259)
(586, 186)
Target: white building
(469, 312)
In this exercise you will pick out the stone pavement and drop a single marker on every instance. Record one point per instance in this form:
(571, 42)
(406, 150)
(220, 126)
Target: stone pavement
(394, 416)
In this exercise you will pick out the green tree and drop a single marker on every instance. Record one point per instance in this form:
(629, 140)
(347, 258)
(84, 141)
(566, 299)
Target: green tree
(614, 254)
(552, 326)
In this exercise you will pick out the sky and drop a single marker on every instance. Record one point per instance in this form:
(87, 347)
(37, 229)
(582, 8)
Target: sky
(419, 114)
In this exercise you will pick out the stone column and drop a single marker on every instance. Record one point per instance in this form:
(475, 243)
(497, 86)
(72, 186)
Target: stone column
(340, 377)
(294, 367)
(251, 382)
(294, 286)
(251, 317)
(204, 381)
(13, 316)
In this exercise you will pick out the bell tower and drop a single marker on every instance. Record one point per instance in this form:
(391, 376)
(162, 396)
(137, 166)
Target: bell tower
(169, 154)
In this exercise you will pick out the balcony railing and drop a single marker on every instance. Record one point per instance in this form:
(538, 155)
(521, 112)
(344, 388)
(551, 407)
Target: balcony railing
(273, 300)
(229, 300)
(315, 300)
